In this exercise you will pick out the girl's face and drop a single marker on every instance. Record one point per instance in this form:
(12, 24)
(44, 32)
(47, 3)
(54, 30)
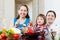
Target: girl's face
(40, 20)
(22, 11)
(50, 18)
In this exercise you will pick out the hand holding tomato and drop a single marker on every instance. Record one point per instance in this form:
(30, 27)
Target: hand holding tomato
(30, 24)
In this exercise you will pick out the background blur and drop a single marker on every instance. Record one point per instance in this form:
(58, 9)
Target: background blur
(8, 9)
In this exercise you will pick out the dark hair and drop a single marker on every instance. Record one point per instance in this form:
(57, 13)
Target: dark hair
(43, 16)
(52, 12)
(27, 16)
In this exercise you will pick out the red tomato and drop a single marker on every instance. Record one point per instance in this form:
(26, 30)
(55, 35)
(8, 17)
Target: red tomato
(30, 31)
(16, 36)
(30, 24)
(3, 36)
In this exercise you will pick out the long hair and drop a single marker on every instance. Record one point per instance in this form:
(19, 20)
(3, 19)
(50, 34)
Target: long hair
(27, 16)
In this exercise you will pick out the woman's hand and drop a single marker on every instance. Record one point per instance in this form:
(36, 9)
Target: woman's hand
(17, 23)
(53, 33)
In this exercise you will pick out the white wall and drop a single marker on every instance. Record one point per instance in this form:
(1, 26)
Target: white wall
(1, 12)
(53, 5)
(41, 7)
(35, 10)
(9, 12)
(30, 10)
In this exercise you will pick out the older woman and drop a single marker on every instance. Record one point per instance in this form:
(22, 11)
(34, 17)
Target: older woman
(50, 16)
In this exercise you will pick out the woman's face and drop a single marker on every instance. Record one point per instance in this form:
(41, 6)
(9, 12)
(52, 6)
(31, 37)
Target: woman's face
(40, 20)
(50, 18)
(22, 11)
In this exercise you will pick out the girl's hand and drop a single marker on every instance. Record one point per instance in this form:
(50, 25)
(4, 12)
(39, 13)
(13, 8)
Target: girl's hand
(42, 31)
(41, 28)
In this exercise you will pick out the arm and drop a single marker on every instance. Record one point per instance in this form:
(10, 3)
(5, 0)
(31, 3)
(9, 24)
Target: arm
(17, 23)
(12, 24)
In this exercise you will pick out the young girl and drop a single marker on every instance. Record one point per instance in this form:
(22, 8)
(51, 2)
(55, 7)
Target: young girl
(40, 26)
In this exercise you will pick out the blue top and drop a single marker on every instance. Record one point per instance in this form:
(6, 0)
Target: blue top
(21, 25)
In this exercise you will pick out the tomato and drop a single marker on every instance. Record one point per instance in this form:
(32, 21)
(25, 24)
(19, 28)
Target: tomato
(16, 36)
(30, 24)
(30, 31)
(3, 36)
